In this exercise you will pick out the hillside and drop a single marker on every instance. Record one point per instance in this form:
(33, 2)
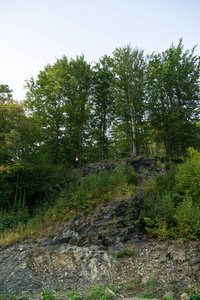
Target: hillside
(104, 243)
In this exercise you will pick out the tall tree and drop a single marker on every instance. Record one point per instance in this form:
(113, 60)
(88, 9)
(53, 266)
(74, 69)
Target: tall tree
(173, 100)
(129, 66)
(17, 151)
(58, 101)
(103, 102)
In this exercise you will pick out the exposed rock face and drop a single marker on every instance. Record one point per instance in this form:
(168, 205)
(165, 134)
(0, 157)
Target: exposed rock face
(110, 227)
(96, 167)
(149, 164)
(166, 267)
(30, 268)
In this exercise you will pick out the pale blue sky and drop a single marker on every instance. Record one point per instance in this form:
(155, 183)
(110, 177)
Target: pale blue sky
(34, 33)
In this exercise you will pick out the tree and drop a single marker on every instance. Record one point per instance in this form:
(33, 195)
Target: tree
(5, 93)
(103, 103)
(172, 95)
(59, 102)
(17, 151)
(129, 66)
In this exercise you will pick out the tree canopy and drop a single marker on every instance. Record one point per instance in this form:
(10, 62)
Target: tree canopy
(126, 104)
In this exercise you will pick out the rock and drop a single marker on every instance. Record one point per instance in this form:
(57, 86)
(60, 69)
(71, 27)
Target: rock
(169, 295)
(150, 164)
(185, 296)
(81, 255)
(96, 167)
(111, 224)
(196, 260)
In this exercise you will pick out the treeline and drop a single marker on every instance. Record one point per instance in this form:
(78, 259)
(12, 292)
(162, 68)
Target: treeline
(127, 104)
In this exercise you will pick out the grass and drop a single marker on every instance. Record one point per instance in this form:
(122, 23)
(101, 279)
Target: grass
(174, 213)
(126, 252)
(74, 198)
(97, 292)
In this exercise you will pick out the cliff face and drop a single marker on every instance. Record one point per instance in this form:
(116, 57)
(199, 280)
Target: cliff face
(86, 252)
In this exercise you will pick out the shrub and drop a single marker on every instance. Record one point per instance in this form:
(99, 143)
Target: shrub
(188, 219)
(12, 218)
(165, 182)
(131, 177)
(92, 190)
(187, 180)
(158, 216)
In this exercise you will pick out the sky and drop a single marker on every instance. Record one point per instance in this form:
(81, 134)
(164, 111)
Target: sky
(34, 33)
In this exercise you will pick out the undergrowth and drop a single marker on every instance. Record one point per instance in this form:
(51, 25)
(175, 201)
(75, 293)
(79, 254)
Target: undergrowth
(80, 196)
(171, 202)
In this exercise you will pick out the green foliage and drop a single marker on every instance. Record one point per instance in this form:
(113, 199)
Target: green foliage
(147, 295)
(92, 190)
(47, 294)
(101, 292)
(131, 177)
(174, 209)
(75, 114)
(126, 252)
(172, 98)
(159, 218)
(74, 296)
(188, 219)
(166, 220)
(151, 283)
(166, 181)
(187, 180)
(13, 218)
(194, 296)
(129, 66)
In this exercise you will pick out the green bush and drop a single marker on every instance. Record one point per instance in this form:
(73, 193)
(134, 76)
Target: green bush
(13, 218)
(158, 216)
(92, 190)
(187, 180)
(131, 177)
(188, 219)
(174, 208)
(165, 182)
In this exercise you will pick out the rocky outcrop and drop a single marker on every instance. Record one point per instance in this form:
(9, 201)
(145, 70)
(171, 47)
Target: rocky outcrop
(96, 167)
(30, 268)
(159, 268)
(93, 249)
(109, 228)
(149, 164)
